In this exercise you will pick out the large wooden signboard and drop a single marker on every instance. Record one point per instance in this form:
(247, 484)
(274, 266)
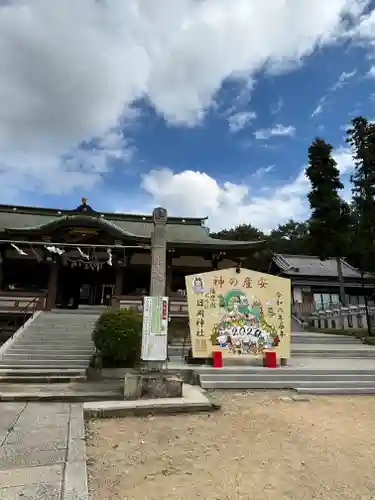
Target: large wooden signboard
(241, 314)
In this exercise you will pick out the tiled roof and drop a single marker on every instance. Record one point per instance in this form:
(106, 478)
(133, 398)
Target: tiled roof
(306, 265)
(179, 231)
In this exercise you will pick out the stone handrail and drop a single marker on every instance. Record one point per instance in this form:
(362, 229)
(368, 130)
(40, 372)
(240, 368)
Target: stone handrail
(16, 302)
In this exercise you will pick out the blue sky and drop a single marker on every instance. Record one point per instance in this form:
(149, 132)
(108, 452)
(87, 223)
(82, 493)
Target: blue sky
(205, 108)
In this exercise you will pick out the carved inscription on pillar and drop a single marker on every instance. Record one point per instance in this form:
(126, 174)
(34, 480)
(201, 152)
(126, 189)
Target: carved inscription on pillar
(158, 253)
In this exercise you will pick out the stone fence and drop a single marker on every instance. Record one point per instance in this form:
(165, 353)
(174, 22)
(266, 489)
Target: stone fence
(353, 317)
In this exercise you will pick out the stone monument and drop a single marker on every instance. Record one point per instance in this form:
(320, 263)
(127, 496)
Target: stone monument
(159, 253)
(153, 381)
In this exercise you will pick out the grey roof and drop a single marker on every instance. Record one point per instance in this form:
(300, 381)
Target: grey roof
(188, 231)
(307, 265)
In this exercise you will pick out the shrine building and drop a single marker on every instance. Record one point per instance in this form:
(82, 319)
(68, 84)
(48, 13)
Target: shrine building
(68, 258)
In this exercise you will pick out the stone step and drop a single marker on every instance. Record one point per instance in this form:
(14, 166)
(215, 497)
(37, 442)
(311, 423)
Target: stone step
(334, 354)
(326, 341)
(79, 330)
(284, 384)
(81, 312)
(61, 328)
(53, 346)
(287, 376)
(41, 379)
(68, 397)
(281, 371)
(48, 356)
(73, 372)
(344, 391)
(56, 338)
(55, 367)
(30, 363)
(60, 321)
(76, 342)
(50, 350)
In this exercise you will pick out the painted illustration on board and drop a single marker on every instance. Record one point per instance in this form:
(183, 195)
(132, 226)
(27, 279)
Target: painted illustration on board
(239, 314)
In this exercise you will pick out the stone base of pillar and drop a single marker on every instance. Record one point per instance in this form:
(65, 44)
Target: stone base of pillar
(151, 386)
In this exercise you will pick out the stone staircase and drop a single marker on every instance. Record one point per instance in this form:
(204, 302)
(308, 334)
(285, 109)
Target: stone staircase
(323, 379)
(55, 347)
(320, 364)
(307, 345)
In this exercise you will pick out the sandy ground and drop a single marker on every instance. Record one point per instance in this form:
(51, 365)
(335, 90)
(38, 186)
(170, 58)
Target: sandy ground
(259, 446)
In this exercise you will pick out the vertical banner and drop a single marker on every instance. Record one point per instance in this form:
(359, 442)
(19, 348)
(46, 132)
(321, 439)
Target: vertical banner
(155, 329)
(239, 314)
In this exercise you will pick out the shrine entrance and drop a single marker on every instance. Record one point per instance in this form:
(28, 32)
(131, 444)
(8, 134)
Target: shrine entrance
(84, 285)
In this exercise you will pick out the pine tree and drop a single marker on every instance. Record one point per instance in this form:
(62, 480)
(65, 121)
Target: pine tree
(361, 137)
(330, 216)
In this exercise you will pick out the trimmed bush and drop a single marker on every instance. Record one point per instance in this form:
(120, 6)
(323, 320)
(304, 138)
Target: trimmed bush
(117, 336)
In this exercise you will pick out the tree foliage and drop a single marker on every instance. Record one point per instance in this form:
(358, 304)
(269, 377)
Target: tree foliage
(335, 228)
(361, 137)
(330, 216)
(244, 232)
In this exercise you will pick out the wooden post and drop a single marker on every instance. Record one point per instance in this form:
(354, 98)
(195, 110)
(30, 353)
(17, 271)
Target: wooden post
(52, 285)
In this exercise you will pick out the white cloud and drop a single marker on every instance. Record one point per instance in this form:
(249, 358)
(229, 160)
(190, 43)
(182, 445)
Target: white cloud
(343, 79)
(277, 107)
(240, 120)
(319, 107)
(371, 72)
(277, 131)
(197, 194)
(71, 70)
(262, 171)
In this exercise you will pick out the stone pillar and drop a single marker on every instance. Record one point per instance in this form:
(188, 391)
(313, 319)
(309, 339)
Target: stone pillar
(158, 253)
(52, 284)
(354, 321)
(158, 268)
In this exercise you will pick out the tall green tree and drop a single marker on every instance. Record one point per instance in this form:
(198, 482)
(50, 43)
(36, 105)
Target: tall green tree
(330, 216)
(361, 137)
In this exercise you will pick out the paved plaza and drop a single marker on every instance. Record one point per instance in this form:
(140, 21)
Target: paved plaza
(42, 452)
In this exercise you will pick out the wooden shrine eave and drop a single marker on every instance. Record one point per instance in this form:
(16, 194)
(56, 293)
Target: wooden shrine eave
(22, 243)
(77, 220)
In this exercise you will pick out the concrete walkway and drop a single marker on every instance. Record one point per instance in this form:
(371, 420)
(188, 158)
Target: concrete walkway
(42, 452)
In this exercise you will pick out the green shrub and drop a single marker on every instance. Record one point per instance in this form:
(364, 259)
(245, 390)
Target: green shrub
(117, 336)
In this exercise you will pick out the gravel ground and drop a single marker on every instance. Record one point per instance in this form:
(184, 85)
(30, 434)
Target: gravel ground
(261, 445)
